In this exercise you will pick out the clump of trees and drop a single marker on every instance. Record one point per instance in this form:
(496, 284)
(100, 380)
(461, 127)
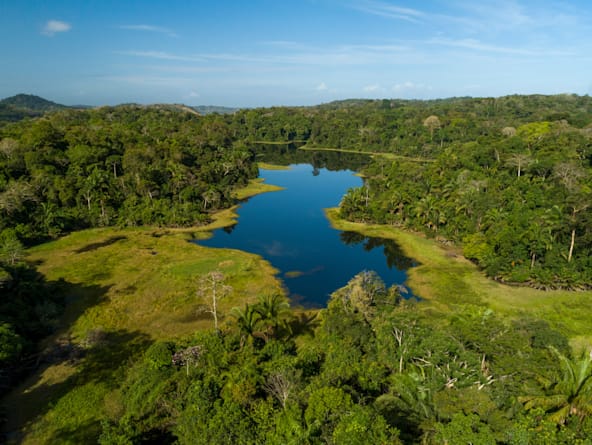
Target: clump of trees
(371, 368)
(125, 165)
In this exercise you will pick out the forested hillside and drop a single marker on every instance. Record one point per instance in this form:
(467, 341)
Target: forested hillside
(510, 178)
(23, 106)
(507, 179)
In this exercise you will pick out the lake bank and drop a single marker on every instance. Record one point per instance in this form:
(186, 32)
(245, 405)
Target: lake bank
(445, 278)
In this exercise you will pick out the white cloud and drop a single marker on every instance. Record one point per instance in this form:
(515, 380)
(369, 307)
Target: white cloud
(149, 28)
(193, 94)
(371, 88)
(322, 87)
(410, 87)
(54, 26)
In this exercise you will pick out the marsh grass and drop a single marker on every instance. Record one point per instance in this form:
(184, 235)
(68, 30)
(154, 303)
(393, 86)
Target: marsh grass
(124, 289)
(266, 166)
(136, 285)
(445, 278)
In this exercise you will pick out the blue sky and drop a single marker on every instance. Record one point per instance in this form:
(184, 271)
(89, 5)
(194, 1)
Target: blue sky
(291, 52)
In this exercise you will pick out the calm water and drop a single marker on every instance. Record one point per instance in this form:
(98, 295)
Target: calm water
(290, 230)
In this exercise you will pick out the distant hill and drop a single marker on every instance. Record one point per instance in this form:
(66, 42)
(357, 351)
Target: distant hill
(209, 109)
(31, 102)
(21, 106)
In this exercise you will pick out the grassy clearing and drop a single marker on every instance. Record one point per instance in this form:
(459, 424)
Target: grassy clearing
(266, 166)
(257, 186)
(143, 279)
(445, 278)
(136, 286)
(132, 287)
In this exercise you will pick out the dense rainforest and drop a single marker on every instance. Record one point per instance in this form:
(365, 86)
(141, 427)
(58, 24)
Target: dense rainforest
(508, 179)
(371, 369)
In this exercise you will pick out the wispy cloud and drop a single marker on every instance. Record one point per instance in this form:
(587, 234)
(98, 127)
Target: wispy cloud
(334, 55)
(476, 45)
(150, 28)
(498, 17)
(282, 43)
(52, 27)
(387, 10)
(149, 81)
(161, 55)
(498, 13)
(410, 87)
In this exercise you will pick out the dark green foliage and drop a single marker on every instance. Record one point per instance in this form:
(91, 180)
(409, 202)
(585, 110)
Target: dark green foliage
(29, 309)
(392, 375)
(518, 201)
(31, 102)
(126, 165)
(24, 106)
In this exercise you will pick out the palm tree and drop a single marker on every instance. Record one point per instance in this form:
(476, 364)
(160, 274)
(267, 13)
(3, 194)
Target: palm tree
(247, 321)
(571, 395)
(273, 310)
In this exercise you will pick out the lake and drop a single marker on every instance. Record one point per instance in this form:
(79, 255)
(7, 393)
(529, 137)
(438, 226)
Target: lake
(290, 230)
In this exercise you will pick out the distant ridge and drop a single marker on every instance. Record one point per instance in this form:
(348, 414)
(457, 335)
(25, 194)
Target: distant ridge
(31, 102)
(209, 109)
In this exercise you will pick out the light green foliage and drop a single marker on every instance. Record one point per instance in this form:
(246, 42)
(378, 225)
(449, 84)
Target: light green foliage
(325, 408)
(363, 426)
(12, 250)
(570, 395)
(464, 429)
(534, 428)
(533, 132)
(364, 294)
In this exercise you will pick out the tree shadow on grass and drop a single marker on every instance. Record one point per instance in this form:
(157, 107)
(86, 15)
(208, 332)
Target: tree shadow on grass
(100, 363)
(95, 246)
(60, 364)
